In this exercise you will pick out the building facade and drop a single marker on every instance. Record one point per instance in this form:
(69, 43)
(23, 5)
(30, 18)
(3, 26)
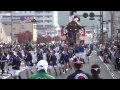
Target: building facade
(10, 32)
(47, 21)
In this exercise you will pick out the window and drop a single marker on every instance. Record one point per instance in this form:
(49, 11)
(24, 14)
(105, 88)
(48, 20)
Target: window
(39, 11)
(48, 16)
(39, 25)
(48, 21)
(48, 26)
(48, 11)
(39, 21)
(13, 28)
(22, 27)
(39, 16)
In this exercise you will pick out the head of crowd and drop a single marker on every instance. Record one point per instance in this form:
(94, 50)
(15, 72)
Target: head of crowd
(48, 57)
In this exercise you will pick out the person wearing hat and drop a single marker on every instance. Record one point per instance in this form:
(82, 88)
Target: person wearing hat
(41, 67)
(78, 74)
(95, 70)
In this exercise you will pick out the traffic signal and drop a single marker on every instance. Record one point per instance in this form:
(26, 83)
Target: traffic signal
(92, 14)
(91, 18)
(85, 15)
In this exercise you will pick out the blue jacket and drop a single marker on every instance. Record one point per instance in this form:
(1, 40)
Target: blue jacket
(19, 54)
(39, 56)
(3, 58)
(81, 49)
(49, 59)
(28, 59)
(15, 62)
(53, 59)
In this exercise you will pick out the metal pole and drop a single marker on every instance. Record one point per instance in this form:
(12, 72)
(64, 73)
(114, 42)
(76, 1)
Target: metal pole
(11, 26)
(117, 38)
(93, 33)
(111, 25)
(102, 27)
(97, 32)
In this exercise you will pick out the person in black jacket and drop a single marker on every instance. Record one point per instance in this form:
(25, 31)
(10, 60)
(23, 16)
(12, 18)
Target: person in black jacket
(39, 55)
(61, 63)
(54, 62)
(66, 60)
(3, 59)
(95, 70)
(78, 74)
(15, 63)
(28, 61)
(49, 60)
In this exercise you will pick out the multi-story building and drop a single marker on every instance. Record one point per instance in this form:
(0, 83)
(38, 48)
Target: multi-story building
(47, 21)
(114, 24)
(8, 35)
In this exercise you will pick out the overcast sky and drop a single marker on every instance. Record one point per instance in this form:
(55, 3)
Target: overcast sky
(63, 18)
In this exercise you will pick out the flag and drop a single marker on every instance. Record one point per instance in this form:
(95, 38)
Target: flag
(22, 18)
(62, 31)
(83, 32)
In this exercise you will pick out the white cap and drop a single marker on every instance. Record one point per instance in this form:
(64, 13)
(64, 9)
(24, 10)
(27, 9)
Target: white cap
(42, 65)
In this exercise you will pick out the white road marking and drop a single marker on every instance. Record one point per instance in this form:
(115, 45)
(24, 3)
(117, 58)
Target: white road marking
(107, 66)
(101, 58)
(6, 77)
(113, 76)
(118, 71)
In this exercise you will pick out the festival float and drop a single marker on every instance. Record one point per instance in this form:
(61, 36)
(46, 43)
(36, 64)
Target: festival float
(75, 32)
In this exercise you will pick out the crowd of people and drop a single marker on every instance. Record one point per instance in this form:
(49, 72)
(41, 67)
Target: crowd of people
(48, 58)
(110, 53)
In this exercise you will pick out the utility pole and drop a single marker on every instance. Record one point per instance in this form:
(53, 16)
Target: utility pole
(101, 27)
(112, 27)
(93, 33)
(11, 27)
(97, 32)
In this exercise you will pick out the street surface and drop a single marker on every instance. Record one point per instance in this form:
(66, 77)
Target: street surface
(107, 70)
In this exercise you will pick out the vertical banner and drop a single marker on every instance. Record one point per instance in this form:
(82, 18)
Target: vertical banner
(77, 38)
(62, 31)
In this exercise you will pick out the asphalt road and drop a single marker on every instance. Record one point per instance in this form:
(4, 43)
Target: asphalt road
(94, 59)
(105, 72)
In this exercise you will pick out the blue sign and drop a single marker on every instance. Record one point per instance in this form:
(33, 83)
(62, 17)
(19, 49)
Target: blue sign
(22, 18)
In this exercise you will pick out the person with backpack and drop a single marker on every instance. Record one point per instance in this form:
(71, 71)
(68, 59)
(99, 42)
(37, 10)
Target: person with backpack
(78, 74)
(95, 70)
